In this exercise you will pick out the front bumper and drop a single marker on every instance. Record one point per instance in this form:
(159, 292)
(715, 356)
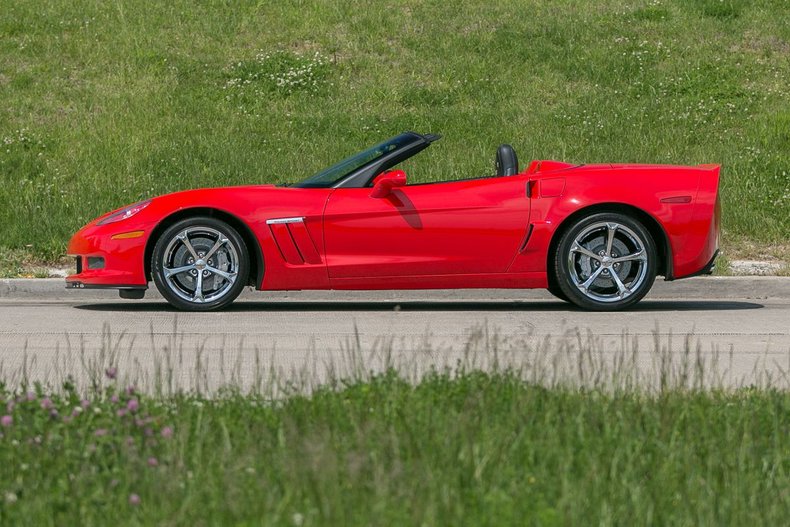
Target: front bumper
(104, 262)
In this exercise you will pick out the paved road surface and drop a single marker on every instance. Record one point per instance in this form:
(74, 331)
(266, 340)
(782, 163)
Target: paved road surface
(737, 328)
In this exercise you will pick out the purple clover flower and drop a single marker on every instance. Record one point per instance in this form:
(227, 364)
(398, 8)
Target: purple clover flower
(134, 499)
(167, 432)
(6, 421)
(111, 372)
(133, 405)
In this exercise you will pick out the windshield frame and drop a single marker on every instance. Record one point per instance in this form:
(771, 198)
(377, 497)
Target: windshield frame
(357, 170)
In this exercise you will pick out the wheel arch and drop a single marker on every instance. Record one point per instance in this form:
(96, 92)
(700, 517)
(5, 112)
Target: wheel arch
(254, 248)
(652, 225)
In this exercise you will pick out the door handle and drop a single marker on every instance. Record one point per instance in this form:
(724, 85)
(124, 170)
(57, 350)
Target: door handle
(531, 184)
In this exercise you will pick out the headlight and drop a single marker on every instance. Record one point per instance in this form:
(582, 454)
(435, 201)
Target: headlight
(125, 213)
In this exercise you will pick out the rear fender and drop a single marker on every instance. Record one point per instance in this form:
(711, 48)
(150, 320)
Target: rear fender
(664, 196)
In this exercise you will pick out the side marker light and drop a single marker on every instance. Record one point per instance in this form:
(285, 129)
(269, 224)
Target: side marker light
(127, 235)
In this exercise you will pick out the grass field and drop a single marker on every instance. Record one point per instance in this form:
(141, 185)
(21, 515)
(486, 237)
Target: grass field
(455, 449)
(105, 103)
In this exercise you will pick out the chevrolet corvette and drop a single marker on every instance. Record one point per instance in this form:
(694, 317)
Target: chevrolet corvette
(594, 235)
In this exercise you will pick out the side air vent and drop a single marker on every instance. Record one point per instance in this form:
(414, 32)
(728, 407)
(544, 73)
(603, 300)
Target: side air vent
(294, 241)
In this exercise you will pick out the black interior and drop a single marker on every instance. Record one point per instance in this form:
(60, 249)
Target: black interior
(506, 162)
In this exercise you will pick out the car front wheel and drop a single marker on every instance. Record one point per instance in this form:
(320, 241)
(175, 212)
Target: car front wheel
(606, 262)
(200, 264)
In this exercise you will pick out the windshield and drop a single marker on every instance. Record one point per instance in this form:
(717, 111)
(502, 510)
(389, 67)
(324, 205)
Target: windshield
(332, 175)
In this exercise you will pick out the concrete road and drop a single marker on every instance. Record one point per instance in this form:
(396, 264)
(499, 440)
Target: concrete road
(712, 330)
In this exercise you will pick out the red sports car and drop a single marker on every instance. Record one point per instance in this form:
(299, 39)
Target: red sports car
(593, 235)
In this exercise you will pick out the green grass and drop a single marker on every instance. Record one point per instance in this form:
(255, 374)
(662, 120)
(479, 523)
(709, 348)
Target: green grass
(104, 103)
(454, 449)
(21, 263)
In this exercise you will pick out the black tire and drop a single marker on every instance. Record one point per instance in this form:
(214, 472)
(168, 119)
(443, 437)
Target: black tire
(554, 288)
(623, 276)
(220, 277)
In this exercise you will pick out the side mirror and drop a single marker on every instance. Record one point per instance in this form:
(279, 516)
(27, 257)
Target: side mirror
(383, 184)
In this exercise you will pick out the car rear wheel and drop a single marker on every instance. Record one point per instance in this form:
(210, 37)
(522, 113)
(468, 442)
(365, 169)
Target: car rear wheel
(200, 264)
(606, 262)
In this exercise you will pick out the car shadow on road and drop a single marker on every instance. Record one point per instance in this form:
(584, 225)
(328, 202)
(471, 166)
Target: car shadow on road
(429, 305)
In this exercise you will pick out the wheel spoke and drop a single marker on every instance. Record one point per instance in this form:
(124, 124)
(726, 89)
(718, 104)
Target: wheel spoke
(223, 274)
(587, 283)
(178, 270)
(219, 243)
(639, 255)
(580, 249)
(184, 237)
(610, 230)
(198, 296)
(623, 291)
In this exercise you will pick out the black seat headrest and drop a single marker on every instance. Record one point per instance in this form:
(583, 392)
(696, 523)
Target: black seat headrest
(506, 161)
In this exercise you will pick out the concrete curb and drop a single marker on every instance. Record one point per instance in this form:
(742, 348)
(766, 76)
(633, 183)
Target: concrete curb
(15, 287)
(53, 289)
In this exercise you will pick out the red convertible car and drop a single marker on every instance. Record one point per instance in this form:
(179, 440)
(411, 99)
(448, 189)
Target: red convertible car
(593, 235)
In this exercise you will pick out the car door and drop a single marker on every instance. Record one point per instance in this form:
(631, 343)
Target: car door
(460, 227)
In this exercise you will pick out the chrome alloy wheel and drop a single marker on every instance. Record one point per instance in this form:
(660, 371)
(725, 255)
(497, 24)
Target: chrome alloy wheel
(200, 265)
(607, 262)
